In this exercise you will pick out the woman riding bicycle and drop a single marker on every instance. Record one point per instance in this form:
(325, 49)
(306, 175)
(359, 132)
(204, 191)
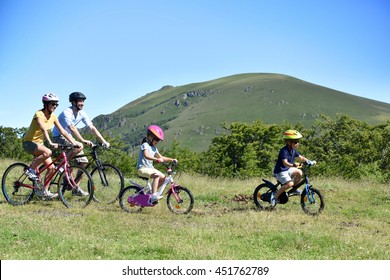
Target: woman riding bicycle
(149, 153)
(286, 171)
(33, 139)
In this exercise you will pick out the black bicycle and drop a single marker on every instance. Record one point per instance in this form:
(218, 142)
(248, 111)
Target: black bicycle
(312, 200)
(108, 179)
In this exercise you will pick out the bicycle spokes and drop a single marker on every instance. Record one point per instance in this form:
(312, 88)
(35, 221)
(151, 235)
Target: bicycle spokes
(180, 200)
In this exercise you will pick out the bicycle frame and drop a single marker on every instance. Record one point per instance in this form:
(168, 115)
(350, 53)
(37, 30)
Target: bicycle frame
(93, 155)
(95, 159)
(142, 198)
(63, 163)
(304, 181)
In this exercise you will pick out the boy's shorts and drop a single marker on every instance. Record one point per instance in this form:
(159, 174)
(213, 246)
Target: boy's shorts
(63, 140)
(147, 172)
(285, 176)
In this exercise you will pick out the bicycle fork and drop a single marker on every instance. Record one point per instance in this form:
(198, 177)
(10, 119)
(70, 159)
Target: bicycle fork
(310, 194)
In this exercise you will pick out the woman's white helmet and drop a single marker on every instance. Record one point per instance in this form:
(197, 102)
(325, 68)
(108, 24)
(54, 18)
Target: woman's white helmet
(50, 97)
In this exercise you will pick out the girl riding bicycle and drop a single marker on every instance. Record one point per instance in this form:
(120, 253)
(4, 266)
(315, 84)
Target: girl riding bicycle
(286, 171)
(33, 139)
(149, 153)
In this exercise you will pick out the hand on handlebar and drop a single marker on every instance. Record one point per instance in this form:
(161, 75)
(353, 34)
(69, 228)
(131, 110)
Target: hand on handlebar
(311, 162)
(106, 145)
(88, 142)
(54, 145)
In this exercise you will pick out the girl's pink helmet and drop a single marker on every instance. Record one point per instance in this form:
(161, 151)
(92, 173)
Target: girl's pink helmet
(156, 131)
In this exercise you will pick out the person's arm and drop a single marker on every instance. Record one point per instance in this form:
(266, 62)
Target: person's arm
(287, 164)
(302, 158)
(99, 136)
(164, 158)
(76, 132)
(64, 133)
(149, 156)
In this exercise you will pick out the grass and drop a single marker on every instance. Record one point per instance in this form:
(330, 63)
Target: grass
(223, 225)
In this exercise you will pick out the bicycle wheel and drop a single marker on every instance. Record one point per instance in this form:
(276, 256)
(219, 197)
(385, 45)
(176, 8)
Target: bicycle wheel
(17, 188)
(180, 201)
(124, 195)
(68, 190)
(262, 197)
(108, 183)
(312, 202)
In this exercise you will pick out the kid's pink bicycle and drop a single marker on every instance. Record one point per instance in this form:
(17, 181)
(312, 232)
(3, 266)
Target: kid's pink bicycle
(135, 197)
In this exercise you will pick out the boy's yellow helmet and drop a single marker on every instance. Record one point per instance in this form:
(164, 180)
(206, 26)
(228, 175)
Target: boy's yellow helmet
(292, 134)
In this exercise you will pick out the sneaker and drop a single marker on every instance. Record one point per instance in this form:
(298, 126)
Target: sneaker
(49, 195)
(155, 197)
(30, 173)
(79, 192)
(273, 200)
(293, 193)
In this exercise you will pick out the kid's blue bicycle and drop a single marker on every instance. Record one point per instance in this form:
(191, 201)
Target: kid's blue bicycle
(312, 200)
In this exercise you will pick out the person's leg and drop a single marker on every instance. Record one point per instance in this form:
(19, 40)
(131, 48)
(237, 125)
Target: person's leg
(296, 174)
(41, 154)
(285, 179)
(49, 171)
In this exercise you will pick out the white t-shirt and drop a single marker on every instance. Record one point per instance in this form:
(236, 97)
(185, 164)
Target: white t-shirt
(67, 118)
(142, 161)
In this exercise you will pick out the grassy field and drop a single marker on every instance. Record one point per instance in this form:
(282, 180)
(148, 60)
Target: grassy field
(223, 225)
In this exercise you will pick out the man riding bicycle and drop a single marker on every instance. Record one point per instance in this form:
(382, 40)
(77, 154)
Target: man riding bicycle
(69, 119)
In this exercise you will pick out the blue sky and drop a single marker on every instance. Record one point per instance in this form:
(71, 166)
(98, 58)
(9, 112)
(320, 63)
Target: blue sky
(118, 50)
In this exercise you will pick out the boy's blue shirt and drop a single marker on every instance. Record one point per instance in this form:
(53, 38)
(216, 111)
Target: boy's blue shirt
(285, 153)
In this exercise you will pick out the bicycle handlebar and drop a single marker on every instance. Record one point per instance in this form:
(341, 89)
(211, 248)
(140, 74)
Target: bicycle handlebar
(310, 162)
(66, 146)
(171, 164)
(96, 145)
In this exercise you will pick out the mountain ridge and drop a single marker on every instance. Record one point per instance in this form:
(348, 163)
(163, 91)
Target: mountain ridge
(193, 113)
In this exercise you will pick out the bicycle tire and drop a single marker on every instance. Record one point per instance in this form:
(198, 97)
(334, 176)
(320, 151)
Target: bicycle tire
(67, 189)
(316, 207)
(108, 182)
(12, 185)
(185, 205)
(260, 195)
(125, 205)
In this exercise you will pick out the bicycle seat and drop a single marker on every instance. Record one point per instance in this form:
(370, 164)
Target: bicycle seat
(144, 178)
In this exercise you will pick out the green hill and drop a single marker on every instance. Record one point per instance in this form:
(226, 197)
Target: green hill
(193, 113)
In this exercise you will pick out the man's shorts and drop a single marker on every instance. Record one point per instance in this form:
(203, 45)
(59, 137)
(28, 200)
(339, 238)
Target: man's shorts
(285, 176)
(147, 172)
(30, 146)
(62, 140)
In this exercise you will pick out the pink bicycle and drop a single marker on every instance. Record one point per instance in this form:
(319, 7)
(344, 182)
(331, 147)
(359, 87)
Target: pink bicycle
(135, 197)
(67, 179)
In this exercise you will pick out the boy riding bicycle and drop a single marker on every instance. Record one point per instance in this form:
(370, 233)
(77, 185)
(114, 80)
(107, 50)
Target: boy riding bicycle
(286, 171)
